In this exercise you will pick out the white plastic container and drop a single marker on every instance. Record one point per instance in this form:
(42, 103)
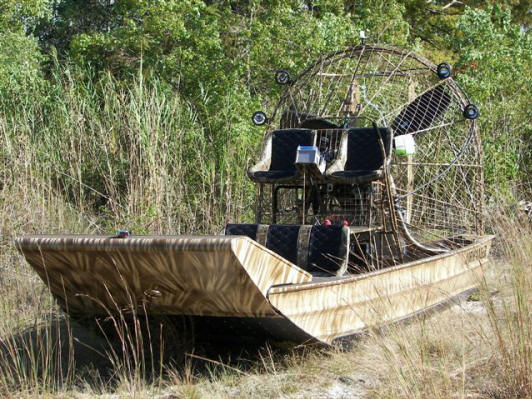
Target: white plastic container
(405, 144)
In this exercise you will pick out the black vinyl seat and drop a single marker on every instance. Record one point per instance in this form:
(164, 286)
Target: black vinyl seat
(249, 230)
(328, 250)
(279, 154)
(283, 240)
(320, 250)
(360, 157)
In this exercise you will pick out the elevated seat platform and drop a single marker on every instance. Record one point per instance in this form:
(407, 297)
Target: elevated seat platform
(360, 156)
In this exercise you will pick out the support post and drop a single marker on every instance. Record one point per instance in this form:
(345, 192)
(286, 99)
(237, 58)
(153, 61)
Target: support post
(410, 166)
(258, 211)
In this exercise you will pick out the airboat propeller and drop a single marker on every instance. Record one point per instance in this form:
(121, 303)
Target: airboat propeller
(438, 178)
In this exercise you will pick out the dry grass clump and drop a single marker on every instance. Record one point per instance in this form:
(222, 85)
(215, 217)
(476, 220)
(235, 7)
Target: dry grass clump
(482, 348)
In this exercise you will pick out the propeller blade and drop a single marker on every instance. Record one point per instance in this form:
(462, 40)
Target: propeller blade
(421, 113)
(292, 118)
(317, 123)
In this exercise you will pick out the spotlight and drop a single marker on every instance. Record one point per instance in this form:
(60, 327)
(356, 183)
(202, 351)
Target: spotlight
(259, 118)
(282, 77)
(444, 70)
(471, 112)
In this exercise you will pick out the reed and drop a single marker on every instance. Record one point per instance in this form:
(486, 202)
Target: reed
(95, 158)
(481, 347)
(107, 156)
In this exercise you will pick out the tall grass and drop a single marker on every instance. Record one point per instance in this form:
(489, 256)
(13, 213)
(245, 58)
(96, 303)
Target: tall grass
(510, 318)
(95, 156)
(480, 349)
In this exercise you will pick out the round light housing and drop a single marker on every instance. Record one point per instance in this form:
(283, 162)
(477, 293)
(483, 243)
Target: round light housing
(282, 77)
(471, 112)
(259, 118)
(444, 70)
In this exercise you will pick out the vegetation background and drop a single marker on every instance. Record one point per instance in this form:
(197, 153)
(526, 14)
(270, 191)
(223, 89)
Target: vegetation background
(136, 114)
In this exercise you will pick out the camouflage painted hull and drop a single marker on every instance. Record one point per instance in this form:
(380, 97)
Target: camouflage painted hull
(234, 282)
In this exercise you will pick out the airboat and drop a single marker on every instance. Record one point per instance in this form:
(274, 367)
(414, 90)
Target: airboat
(369, 195)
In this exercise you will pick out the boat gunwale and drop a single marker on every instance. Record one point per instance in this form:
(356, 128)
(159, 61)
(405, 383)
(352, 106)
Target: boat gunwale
(285, 288)
(352, 305)
(133, 243)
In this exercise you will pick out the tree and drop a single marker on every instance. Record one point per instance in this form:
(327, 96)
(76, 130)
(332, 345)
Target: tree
(495, 65)
(20, 56)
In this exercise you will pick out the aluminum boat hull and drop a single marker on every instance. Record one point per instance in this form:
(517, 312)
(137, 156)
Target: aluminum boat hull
(234, 286)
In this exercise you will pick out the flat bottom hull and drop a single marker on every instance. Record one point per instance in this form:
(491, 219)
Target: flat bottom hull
(243, 331)
(234, 287)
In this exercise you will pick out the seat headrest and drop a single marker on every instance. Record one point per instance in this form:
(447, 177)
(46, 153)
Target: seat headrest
(235, 229)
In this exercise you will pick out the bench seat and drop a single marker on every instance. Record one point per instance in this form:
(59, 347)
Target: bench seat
(320, 250)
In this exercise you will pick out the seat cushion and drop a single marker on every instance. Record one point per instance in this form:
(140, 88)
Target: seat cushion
(363, 148)
(283, 239)
(364, 159)
(323, 252)
(234, 229)
(356, 176)
(328, 250)
(274, 175)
